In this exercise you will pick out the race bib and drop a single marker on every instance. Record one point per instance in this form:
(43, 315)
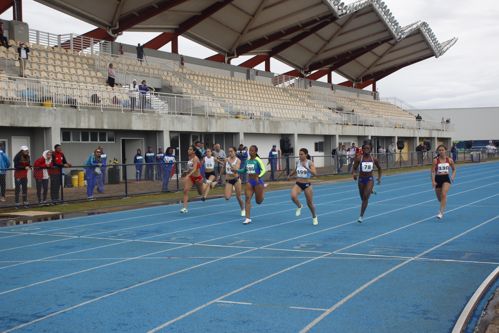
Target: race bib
(251, 169)
(367, 166)
(443, 168)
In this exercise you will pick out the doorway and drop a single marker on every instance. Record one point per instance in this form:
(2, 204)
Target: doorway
(129, 148)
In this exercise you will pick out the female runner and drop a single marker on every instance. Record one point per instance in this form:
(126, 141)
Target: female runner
(365, 163)
(440, 177)
(255, 169)
(209, 173)
(232, 180)
(192, 176)
(304, 170)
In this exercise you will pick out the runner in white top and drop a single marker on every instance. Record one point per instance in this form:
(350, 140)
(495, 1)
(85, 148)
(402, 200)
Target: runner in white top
(209, 173)
(440, 177)
(304, 170)
(232, 180)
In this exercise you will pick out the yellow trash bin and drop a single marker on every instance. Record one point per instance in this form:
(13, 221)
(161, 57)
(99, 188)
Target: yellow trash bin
(81, 178)
(74, 180)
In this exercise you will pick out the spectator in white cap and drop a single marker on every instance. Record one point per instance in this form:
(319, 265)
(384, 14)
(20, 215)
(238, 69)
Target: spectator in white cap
(22, 164)
(133, 92)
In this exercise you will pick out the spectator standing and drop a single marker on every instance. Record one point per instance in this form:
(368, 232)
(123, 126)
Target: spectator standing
(133, 92)
(453, 152)
(111, 75)
(41, 169)
(160, 164)
(3, 39)
(22, 164)
(420, 150)
(220, 157)
(351, 153)
(93, 172)
(140, 53)
(342, 157)
(23, 52)
(143, 90)
(168, 164)
(242, 155)
(138, 160)
(391, 153)
(4, 165)
(273, 157)
(150, 160)
(56, 173)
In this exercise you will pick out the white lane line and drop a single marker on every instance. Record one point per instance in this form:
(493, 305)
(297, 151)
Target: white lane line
(317, 320)
(237, 303)
(187, 245)
(189, 268)
(459, 261)
(186, 314)
(320, 186)
(306, 308)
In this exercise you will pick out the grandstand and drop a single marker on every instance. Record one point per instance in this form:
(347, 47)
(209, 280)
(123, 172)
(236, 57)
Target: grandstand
(64, 92)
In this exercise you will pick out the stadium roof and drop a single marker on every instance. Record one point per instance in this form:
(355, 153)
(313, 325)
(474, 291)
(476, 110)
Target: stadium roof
(360, 41)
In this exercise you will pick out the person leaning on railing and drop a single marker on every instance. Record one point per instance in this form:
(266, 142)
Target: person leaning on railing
(41, 172)
(59, 162)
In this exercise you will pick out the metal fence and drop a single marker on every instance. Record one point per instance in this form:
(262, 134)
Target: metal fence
(57, 186)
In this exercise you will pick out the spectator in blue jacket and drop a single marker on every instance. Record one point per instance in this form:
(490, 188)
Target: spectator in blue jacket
(4, 165)
(273, 156)
(138, 160)
(150, 161)
(168, 165)
(93, 171)
(159, 164)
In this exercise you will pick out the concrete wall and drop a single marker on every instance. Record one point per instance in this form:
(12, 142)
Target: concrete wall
(308, 142)
(469, 123)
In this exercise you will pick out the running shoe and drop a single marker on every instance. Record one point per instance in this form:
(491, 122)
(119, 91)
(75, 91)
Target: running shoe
(315, 221)
(247, 221)
(183, 211)
(360, 219)
(440, 215)
(298, 211)
(203, 198)
(243, 213)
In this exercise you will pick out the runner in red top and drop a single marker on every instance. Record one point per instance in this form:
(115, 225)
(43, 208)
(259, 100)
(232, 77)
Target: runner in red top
(440, 178)
(192, 176)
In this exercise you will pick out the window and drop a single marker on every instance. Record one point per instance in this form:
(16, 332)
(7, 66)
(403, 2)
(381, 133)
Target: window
(66, 136)
(319, 146)
(87, 136)
(75, 136)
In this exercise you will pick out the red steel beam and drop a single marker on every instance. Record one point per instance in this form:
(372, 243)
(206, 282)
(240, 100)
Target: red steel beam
(320, 73)
(167, 37)
(250, 46)
(255, 61)
(346, 84)
(5, 4)
(216, 57)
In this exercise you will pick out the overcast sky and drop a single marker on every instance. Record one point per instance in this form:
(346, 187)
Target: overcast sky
(466, 76)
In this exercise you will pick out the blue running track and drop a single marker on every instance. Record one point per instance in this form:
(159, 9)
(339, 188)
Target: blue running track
(156, 270)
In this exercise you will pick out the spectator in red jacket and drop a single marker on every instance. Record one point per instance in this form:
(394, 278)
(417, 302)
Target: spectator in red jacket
(41, 173)
(22, 164)
(58, 162)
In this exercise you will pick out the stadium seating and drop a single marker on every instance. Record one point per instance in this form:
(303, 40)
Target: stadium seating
(80, 77)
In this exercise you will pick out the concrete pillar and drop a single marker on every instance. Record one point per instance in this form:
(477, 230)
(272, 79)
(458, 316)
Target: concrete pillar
(294, 144)
(434, 143)
(239, 139)
(163, 139)
(52, 137)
